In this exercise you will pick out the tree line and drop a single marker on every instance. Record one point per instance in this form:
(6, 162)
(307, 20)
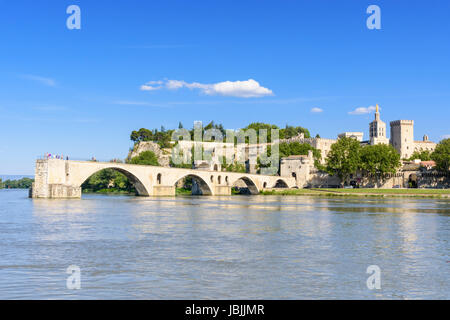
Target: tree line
(347, 157)
(163, 136)
(24, 183)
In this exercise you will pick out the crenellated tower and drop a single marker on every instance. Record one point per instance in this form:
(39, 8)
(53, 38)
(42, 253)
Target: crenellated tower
(402, 137)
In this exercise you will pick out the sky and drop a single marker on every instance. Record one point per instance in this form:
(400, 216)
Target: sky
(146, 64)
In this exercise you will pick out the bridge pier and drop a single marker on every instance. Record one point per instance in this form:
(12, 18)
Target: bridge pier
(57, 188)
(222, 191)
(54, 191)
(163, 190)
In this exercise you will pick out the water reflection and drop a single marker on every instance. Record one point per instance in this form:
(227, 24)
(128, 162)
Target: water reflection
(223, 247)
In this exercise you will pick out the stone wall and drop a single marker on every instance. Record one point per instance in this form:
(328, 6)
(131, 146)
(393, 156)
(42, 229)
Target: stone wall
(320, 179)
(324, 145)
(424, 146)
(306, 175)
(404, 178)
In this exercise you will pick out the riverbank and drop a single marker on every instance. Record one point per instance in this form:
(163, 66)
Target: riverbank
(419, 193)
(111, 191)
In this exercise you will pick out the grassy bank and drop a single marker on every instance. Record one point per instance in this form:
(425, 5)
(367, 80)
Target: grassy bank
(389, 191)
(109, 191)
(421, 193)
(182, 191)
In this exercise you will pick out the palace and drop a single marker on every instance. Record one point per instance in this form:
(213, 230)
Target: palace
(401, 138)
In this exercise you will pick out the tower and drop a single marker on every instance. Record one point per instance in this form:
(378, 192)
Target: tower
(402, 137)
(377, 129)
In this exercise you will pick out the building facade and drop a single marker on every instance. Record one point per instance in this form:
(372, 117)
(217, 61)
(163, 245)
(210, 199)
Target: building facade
(402, 139)
(355, 135)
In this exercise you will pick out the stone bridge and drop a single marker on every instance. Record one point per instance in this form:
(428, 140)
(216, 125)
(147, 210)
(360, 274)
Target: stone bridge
(56, 178)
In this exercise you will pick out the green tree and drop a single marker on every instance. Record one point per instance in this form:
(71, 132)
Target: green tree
(344, 158)
(134, 136)
(290, 131)
(108, 180)
(441, 155)
(148, 158)
(24, 183)
(297, 148)
(258, 126)
(379, 159)
(144, 135)
(423, 155)
(234, 167)
(162, 138)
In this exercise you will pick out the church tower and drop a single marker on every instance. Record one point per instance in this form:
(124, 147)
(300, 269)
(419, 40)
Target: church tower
(377, 130)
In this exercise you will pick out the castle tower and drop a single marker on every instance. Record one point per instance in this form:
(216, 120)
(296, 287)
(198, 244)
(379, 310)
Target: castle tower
(402, 137)
(377, 129)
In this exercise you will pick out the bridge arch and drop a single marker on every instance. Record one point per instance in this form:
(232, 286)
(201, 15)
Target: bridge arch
(251, 185)
(199, 185)
(139, 185)
(280, 183)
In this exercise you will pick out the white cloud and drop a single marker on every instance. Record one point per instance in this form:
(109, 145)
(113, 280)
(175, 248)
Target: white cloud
(146, 87)
(362, 110)
(45, 81)
(316, 110)
(446, 136)
(242, 89)
(152, 85)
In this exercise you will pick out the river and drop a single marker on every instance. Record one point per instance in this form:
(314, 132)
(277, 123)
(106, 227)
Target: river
(234, 247)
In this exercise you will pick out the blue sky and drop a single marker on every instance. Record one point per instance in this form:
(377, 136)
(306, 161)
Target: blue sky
(79, 92)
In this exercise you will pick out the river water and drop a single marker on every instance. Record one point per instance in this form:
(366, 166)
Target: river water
(236, 247)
